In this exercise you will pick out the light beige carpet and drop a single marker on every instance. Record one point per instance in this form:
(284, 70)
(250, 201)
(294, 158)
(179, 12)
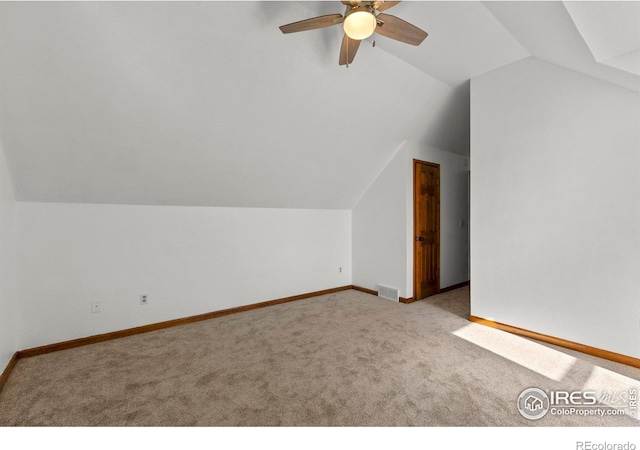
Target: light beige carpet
(345, 359)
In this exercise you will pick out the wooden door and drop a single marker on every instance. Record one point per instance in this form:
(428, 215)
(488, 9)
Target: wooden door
(426, 229)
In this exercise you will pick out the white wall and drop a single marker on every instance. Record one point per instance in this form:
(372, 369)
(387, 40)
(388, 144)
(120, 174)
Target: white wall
(555, 204)
(8, 272)
(383, 222)
(189, 260)
(379, 244)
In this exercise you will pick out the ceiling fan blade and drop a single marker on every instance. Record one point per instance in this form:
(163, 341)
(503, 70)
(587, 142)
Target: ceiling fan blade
(381, 5)
(312, 24)
(395, 28)
(348, 50)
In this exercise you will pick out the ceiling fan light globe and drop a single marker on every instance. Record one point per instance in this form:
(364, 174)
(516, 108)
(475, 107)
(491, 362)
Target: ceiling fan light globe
(359, 25)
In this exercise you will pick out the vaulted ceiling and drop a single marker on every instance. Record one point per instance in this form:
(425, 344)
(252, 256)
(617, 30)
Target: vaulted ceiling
(207, 103)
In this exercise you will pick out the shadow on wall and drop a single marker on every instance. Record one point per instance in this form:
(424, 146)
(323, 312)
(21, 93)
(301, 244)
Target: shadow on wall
(449, 126)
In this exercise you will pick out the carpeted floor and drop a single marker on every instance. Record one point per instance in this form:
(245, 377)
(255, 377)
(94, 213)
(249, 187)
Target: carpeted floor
(345, 359)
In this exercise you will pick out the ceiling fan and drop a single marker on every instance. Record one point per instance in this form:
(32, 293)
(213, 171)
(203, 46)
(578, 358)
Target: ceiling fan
(361, 19)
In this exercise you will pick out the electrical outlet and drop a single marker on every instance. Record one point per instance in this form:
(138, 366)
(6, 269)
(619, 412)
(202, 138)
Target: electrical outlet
(144, 299)
(96, 307)
(340, 269)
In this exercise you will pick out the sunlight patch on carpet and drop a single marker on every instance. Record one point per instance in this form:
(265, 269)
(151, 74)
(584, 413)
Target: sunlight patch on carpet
(543, 360)
(614, 390)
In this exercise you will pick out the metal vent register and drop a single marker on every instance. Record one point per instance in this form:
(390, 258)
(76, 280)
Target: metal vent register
(389, 293)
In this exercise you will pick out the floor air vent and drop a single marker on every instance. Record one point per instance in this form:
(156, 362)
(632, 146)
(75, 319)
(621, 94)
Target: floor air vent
(389, 293)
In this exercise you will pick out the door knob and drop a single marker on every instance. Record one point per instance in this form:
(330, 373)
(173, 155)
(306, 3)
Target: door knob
(419, 238)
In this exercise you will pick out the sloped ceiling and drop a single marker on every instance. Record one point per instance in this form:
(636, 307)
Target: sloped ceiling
(207, 103)
(611, 30)
(546, 29)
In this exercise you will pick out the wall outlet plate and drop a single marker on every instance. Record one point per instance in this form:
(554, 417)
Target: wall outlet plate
(144, 299)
